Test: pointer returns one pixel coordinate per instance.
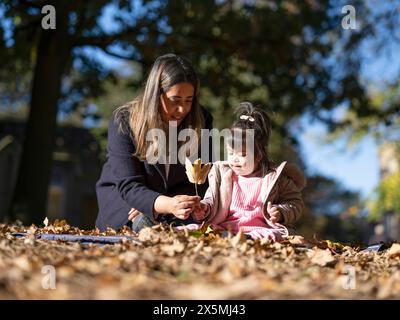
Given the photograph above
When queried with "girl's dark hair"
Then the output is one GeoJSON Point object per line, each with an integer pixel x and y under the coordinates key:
{"type": "Point", "coordinates": [250, 117]}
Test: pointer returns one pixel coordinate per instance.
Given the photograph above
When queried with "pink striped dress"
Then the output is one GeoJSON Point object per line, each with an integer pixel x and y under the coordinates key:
{"type": "Point", "coordinates": [246, 209]}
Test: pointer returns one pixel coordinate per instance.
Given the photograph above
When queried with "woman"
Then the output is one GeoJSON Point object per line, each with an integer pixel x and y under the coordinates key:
{"type": "Point", "coordinates": [132, 190]}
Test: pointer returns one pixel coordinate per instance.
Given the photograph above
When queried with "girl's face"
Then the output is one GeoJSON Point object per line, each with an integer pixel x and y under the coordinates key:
{"type": "Point", "coordinates": [176, 103]}
{"type": "Point", "coordinates": [240, 162]}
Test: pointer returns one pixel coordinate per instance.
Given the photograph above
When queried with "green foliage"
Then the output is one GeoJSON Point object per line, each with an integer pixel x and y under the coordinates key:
{"type": "Point", "coordinates": [382, 124]}
{"type": "Point", "coordinates": [203, 231]}
{"type": "Point", "coordinates": [272, 53]}
{"type": "Point", "coordinates": [388, 196]}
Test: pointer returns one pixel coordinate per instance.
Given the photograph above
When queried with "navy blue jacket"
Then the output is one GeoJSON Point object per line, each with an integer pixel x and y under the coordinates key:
{"type": "Point", "coordinates": [126, 182]}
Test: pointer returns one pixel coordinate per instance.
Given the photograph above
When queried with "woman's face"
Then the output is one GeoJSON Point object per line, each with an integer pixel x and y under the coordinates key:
{"type": "Point", "coordinates": [176, 103]}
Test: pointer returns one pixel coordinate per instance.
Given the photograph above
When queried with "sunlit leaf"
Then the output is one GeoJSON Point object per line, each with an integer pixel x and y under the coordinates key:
{"type": "Point", "coordinates": [197, 172]}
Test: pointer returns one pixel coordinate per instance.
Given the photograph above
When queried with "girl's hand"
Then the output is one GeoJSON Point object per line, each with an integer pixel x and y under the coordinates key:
{"type": "Point", "coordinates": [275, 215]}
{"type": "Point", "coordinates": [181, 206]}
{"type": "Point", "coordinates": [133, 214]}
{"type": "Point", "coordinates": [199, 212]}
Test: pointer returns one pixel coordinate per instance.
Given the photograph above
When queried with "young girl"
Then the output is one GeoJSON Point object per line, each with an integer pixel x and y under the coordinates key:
{"type": "Point", "coordinates": [247, 192]}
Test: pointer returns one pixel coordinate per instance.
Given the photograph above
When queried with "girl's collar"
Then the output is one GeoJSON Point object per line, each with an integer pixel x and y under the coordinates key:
{"type": "Point", "coordinates": [255, 174]}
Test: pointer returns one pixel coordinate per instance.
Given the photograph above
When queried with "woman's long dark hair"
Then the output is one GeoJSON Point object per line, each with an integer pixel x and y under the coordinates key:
{"type": "Point", "coordinates": [144, 111]}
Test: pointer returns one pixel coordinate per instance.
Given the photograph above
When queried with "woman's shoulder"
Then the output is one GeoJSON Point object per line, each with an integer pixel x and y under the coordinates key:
{"type": "Point", "coordinates": [120, 118]}
{"type": "Point", "coordinates": [118, 127]}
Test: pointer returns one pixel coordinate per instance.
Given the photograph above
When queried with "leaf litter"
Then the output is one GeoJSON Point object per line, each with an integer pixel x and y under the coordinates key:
{"type": "Point", "coordinates": [168, 264]}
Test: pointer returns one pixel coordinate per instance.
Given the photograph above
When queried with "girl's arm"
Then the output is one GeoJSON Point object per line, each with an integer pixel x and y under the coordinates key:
{"type": "Point", "coordinates": [202, 212]}
{"type": "Point", "coordinates": [290, 202]}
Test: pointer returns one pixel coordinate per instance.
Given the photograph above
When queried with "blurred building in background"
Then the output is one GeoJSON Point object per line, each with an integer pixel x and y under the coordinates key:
{"type": "Point", "coordinates": [389, 159]}
{"type": "Point", "coordinates": [76, 168]}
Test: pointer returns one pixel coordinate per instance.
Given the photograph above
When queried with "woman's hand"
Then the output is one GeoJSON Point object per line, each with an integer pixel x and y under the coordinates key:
{"type": "Point", "coordinates": [275, 215]}
{"type": "Point", "coordinates": [133, 214]}
{"type": "Point", "coordinates": [181, 206]}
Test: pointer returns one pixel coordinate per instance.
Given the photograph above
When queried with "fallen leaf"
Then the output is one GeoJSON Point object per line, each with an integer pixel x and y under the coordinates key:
{"type": "Point", "coordinates": [334, 245]}
{"type": "Point", "coordinates": [321, 257]}
{"type": "Point", "coordinates": [148, 236]}
{"type": "Point", "coordinates": [173, 265]}
{"type": "Point", "coordinates": [394, 250]}
{"type": "Point", "coordinates": [199, 246]}
{"type": "Point", "coordinates": [237, 239]}
{"type": "Point", "coordinates": [176, 247]}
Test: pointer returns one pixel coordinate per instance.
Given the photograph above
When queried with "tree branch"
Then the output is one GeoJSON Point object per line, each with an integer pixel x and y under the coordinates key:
{"type": "Point", "coordinates": [120, 56]}
{"type": "Point", "coordinates": [105, 40]}
{"type": "Point", "coordinates": [34, 4]}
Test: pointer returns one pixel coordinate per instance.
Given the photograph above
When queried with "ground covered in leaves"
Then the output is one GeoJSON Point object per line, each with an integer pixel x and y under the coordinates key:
{"type": "Point", "coordinates": [163, 264]}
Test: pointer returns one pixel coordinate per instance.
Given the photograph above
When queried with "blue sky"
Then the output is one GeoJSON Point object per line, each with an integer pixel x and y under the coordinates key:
{"type": "Point", "coordinates": [357, 168]}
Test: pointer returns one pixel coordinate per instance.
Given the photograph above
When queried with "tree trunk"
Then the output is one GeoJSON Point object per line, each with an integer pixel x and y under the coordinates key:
{"type": "Point", "coordinates": [30, 194]}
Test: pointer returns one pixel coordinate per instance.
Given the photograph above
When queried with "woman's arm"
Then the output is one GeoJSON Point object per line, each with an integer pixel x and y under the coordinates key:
{"type": "Point", "coordinates": [127, 171]}
{"type": "Point", "coordinates": [127, 174]}
{"type": "Point", "coordinates": [131, 181]}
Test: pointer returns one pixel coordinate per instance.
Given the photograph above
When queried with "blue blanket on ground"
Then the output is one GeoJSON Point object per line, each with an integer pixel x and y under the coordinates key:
{"type": "Point", "coordinates": [84, 239]}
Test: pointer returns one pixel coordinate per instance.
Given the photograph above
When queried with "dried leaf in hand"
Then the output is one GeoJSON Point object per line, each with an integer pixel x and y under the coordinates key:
{"type": "Point", "coordinates": [196, 172]}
